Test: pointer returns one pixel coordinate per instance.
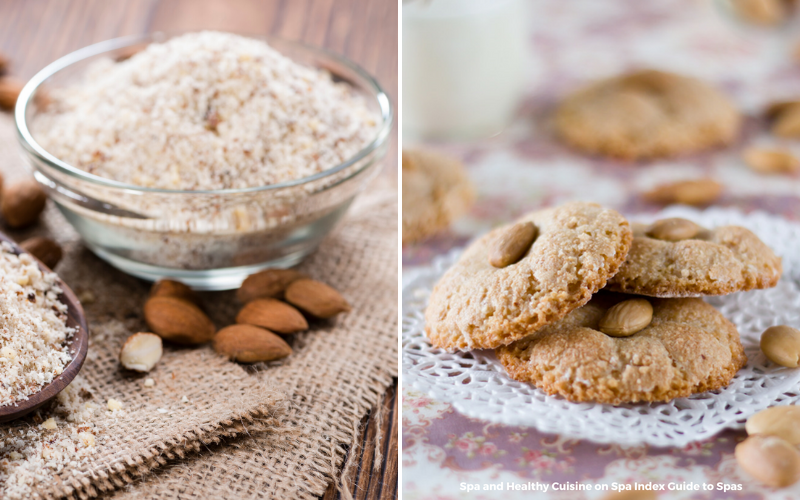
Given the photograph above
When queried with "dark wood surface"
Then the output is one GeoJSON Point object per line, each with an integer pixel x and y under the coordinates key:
{"type": "Point", "coordinates": [33, 33]}
{"type": "Point", "coordinates": [78, 346]}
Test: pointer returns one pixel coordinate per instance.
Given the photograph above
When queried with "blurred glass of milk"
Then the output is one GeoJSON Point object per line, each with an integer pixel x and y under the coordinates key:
{"type": "Point", "coordinates": [463, 66]}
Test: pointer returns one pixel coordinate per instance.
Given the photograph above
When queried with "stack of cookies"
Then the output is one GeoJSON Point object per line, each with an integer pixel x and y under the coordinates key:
{"type": "Point", "coordinates": [581, 304]}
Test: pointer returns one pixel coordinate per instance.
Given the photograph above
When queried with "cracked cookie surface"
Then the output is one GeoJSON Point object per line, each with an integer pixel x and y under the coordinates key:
{"type": "Point", "coordinates": [725, 260]}
{"type": "Point", "coordinates": [475, 305]}
{"type": "Point", "coordinates": [436, 190]}
{"type": "Point", "coordinates": [689, 347]}
{"type": "Point", "coordinates": [647, 114]}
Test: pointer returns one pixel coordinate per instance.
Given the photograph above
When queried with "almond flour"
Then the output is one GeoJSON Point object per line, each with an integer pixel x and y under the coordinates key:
{"type": "Point", "coordinates": [204, 111]}
{"type": "Point", "coordinates": [209, 111]}
{"type": "Point", "coordinates": [33, 329]}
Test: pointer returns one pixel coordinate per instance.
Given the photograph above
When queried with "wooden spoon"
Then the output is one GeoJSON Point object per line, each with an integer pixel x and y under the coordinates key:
{"type": "Point", "coordinates": [78, 344]}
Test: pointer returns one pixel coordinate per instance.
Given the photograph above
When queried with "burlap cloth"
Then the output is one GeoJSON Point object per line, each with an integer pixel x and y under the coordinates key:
{"type": "Point", "coordinates": [278, 430]}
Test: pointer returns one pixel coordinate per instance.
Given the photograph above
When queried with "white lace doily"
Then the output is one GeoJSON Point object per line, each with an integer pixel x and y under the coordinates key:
{"type": "Point", "coordinates": [477, 386]}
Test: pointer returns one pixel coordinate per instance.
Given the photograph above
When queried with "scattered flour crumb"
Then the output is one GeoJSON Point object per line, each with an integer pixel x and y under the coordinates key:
{"type": "Point", "coordinates": [114, 404]}
{"type": "Point", "coordinates": [184, 399]}
{"type": "Point", "coordinates": [32, 455]}
{"type": "Point", "coordinates": [149, 382]}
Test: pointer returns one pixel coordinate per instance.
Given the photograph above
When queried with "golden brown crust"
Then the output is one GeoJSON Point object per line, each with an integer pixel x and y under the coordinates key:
{"type": "Point", "coordinates": [475, 305]}
{"type": "Point", "coordinates": [689, 347]}
{"type": "Point", "coordinates": [728, 259]}
{"type": "Point", "coordinates": [436, 190]}
{"type": "Point", "coordinates": [647, 114]}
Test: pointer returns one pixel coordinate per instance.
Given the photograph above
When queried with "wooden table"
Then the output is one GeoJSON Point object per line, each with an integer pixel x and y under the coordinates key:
{"type": "Point", "coordinates": [33, 33]}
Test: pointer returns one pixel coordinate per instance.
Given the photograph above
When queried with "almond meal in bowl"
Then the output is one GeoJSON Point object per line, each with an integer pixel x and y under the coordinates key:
{"type": "Point", "coordinates": [205, 156]}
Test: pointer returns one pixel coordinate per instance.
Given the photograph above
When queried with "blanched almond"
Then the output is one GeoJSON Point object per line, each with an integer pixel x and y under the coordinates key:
{"type": "Point", "coordinates": [250, 344]}
{"type": "Point", "coordinates": [178, 320]}
{"type": "Point", "coordinates": [141, 352]}
{"type": "Point", "coordinates": [781, 345]}
{"type": "Point", "coordinates": [273, 315]}
{"type": "Point", "coordinates": [770, 459]}
{"type": "Point", "coordinates": [780, 421]}
{"type": "Point", "coordinates": [316, 298]}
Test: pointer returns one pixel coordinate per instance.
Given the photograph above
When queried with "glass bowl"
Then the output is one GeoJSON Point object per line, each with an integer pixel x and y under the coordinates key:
{"type": "Point", "coordinates": [210, 240]}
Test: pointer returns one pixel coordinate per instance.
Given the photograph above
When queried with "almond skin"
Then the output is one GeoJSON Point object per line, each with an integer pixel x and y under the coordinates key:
{"type": "Point", "coordinates": [250, 344]}
{"type": "Point", "coordinates": [178, 320]}
{"type": "Point", "coordinates": [512, 244]}
{"type": "Point", "coordinates": [9, 91]}
{"type": "Point", "coordinates": [316, 298]}
{"type": "Point", "coordinates": [626, 318]}
{"type": "Point", "coordinates": [22, 202]}
{"type": "Point", "coordinates": [273, 315]}
{"type": "Point", "coordinates": [269, 283]}
{"type": "Point", "coordinates": [46, 250]}
{"type": "Point", "coordinates": [172, 288]}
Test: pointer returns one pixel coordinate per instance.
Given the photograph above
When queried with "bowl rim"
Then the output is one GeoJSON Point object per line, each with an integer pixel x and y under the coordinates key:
{"type": "Point", "coordinates": [30, 145]}
{"type": "Point", "coordinates": [78, 347]}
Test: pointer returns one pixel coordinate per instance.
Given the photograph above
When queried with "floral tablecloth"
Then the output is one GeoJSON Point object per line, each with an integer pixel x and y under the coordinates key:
{"type": "Point", "coordinates": [446, 454]}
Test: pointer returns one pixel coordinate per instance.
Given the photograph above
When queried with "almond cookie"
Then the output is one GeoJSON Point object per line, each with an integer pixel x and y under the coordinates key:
{"type": "Point", "coordinates": [688, 347]}
{"type": "Point", "coordinates": [436, 190]}
{"type": "Point", "coordinates": [666, 262]}
{"type": "Point", "coordinates": [647, 114]}
{"type": "Point", "coordinates": [571, 252]}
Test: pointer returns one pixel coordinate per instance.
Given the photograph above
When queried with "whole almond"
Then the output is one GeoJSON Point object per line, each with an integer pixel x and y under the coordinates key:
{"type": "Point", "coordinates": [269, 283]}
{"type": "Point", "coordinates": [787, 123]}
{"type": "Point", "coordinates": [273, 315]}
{"type": "Point", "coordinates": [250, 344]}
{"type": "Point", "coordinates": [761, 12]}
{"type": "Point", "coordinates": [771, 161]}
{"type": "Point", "coordinates": [626, 318]}
{"type": "Point", "coordinates": [178, 320]}
{"type": "Point", "coordinates": [316, 298]}
{"type": "Point", "coordinates": [172, 288]}
{"type": "Point", "coordinates": [777, 108]}
{"type": "Point", "coordinates": [141, 352]}
{"type": "Point", "coordinates": [781, 345]}
{"type": "Point", "coordinates": [9, 91]}
{"type": "Point", "coordinates": [4, 63]}
{"type": "Point", "coordinates": [771, 460]}
{"type": "Point", "coordinates": [48, 251]}
{"type": "Point", "coordinates": [693, 192]}
{"type": "Point", "coordinates": [22, 202]}
{"type": "Point", "coordinates": [512, 244]}
{"type": "Point", "coordinates": [673, 229]}
{"type": "Point", "coordinates": [781, 421]}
